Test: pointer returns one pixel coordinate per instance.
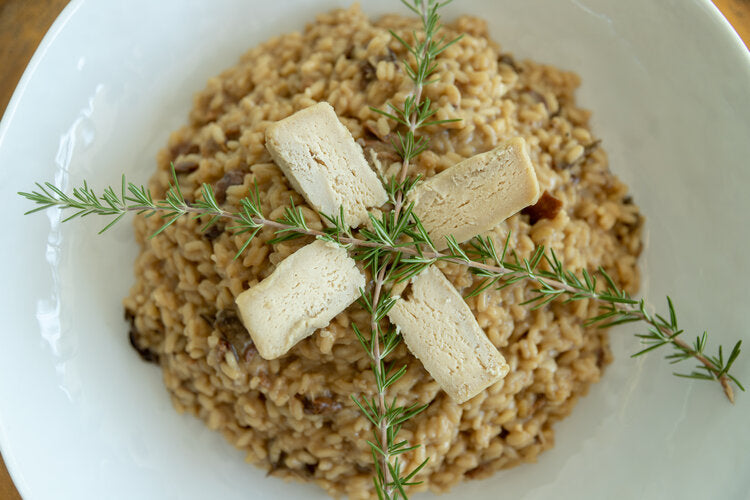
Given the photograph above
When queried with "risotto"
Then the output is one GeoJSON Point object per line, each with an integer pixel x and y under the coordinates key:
{"type": "Point", "coordinates": [293, 416]}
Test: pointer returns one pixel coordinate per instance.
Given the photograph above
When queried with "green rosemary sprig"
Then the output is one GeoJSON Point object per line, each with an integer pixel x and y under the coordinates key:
{"type": "Point", "coordinates": [482, 259]}
{"type": "Point", "coordinates": [389, 231]}
{"type": "Point", "coordinates": [616, 305]}
{"type": "Point", "coordinates": [133, 198]}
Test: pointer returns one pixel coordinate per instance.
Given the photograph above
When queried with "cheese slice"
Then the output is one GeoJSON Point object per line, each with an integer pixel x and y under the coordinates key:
{"type": "Point", "coordinates": [476, 194]}
{"type": "Point", "coordinates": [441, 331]}
{"type": "Point", "coordinates": [318, 155]}
{"type": "Point", "coordinates": [303, 294]}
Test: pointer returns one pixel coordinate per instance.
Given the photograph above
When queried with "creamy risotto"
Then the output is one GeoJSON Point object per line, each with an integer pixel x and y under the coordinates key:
{"type": "Point", "coordinates": [293, 416]}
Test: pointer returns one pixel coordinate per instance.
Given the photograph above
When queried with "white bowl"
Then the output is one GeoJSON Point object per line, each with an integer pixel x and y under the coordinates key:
{"type": "Point", "coordinates": [82, 417]}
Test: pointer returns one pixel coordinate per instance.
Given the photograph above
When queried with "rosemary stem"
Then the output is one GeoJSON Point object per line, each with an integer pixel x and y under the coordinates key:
{"type": "Point", "coordinates": [378, 366]}
{"type": "Point", "coordinates": [379, 281]}
{"type": "Point", "coordinates": [418, 86]}
{"type": "Point", "coordinates": [628, 308]}
{"type": "Point", "coordinates": [497, 269]}
{"type": "Point", "coordinates": [722, 379]}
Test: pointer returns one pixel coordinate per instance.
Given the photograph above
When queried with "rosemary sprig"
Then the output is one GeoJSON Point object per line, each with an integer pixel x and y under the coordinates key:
{"type": "Point", "coordinates": [483, 260]}
{"type": "Point", "coordinates": [389, 231]}
{"type": "Point", "coordinates": [616, 306]}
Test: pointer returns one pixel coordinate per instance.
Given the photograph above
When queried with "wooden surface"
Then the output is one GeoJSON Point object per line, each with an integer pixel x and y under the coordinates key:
{"type": "Point", "coordinates": [737, 12]}
{"type": "Point", "coordinates": [23, 23]}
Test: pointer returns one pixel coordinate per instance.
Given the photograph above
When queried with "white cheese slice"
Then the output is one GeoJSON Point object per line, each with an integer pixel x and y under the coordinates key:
{"type": "Point", "coordinates": [476, 194]}
{"type": "Point", "coordinates": [303, 294]}
{"type": "Point", "coordinates": [318, 155]}
{"type": "Point", "coordinates": [441, 331]}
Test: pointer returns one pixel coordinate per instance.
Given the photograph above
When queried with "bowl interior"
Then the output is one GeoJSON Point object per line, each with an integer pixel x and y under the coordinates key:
{"type": "Point", "coordinates": [82, 416]}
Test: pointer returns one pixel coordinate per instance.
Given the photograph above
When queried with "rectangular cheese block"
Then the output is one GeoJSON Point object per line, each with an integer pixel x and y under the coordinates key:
{"type": "Point", "coordinates": [441, 331]}
{"type": "Point", "coordinates": [318, 155]}
{"type": "Point", "coordinates": [303, 294]}
{"type": "Point", "coordinates": [476, 194]}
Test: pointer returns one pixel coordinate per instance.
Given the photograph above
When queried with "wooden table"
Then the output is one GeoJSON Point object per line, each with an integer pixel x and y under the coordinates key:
{"type": "Point", "coordinates": [23, 23]}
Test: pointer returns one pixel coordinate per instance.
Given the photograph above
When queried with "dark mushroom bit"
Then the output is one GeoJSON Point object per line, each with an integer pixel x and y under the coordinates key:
{"type": "Point", "coordinates": [145, 353]}
{"type": "Point", "coordinates": [546, 208]}
{"type": "Point", "coordinates": [369, 67]}
{"type": "Point", "coordinates": [183, 148]}
{"type": "Point", "coordinates": [186, 166]}
{"type": "Point", "coordinates": [233, 133]}
{"type": "Point", "coordinates": [214, 231]}
{"type": "Point", "coordinates": [587, 150]}
{"type": "Point", "coordinates": [381, 145]}
{"type": "Point", "coordinates": [234, 334]}
{"type": "Point", "coordinates": [232, 178]}
{"type": "Point", "coordinates": [368, 71]}
{"type": "Point", "coordinates": [321, 405]}
{"type": "Point", "coordinates": [507, 59]}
